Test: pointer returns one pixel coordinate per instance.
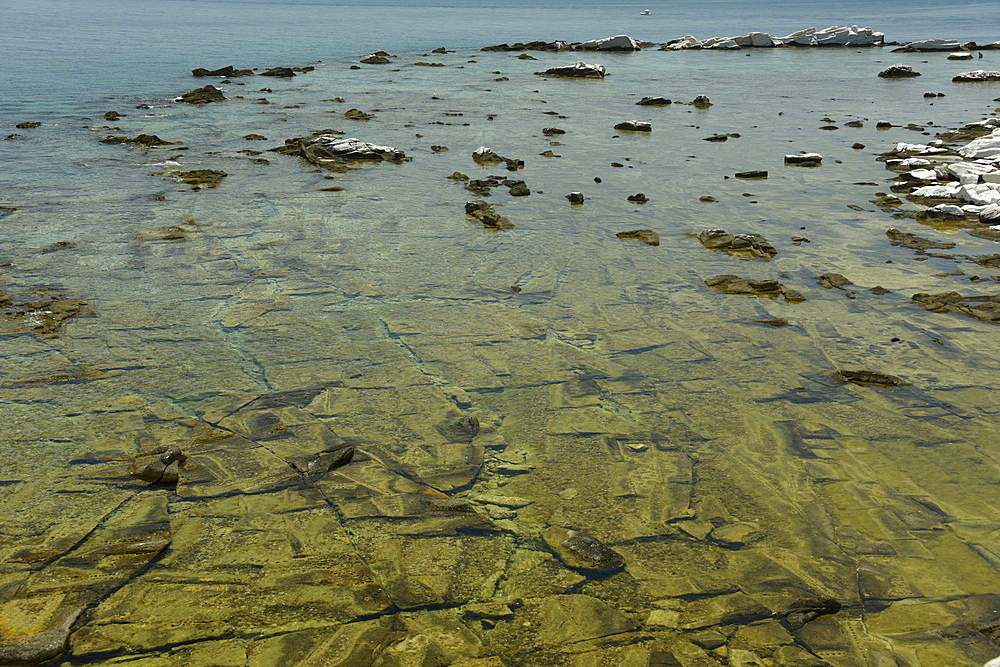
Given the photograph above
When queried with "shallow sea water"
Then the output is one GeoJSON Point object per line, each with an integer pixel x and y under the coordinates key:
{"type": "Point", "coordinates": [615, 393]}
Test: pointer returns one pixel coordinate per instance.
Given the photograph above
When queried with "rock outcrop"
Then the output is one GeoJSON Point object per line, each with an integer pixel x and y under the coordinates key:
{"type": "Point", "coordinates": [228, 71]}
{"type": "Point", "coordinates": [334, 152]}
{"type": "Point", "coordinates": [647, 236]}
{"type": "Point", "coordinates": [616, 43]}
{"type": "Point", "coordinates": [634, 126]}
{"type": "Point", "coordinates": [929, 45]}
{"type": "Point", "coordinates": [832, 36]}
{"type": "Point", "coordinates": [577, 70]}
{"type": "Point", "coordinates": [977, 76]}
{"type": "Point", "coordinates": [582, 551]}
{"type": "Point", "coordinates": [772, 289]}
{"type": "Point", "coordinates": [752, 245]}
{"type": "Point", "coordinates": [203, 95]}
{"type": "Point", "coordinates": [898, 71]}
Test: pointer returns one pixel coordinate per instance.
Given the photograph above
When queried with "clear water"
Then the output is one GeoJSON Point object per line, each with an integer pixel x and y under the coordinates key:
{"type": "Point", "coordinates": [616, 393]}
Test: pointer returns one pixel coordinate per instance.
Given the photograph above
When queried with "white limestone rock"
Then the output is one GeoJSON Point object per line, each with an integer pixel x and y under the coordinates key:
{"type": "Point", "coordinates": [982, 194]}
{"type": "Point", "coordinates": [962, 55]}
{"type": "Point", "coordinates": [977, 76]}
{"type": "Point", "coordinates": [577, 70]}
{"type": "Point", "coordinates": [931, 45]}
{"type": "Point", "coordinates": [948, 209]}
{"type": "Point", "coordinates": [924, 174]}
{"type": "Point", "coordinates": [761, 40]}
{"type": "Point", "coordinates": [685, 42]}
{"type": "Point", "coordinates": [949, 190]}
{"type": "Point", "coordinates": [987, 147]}
{"type": "Point", "coordinates": [616, 43]}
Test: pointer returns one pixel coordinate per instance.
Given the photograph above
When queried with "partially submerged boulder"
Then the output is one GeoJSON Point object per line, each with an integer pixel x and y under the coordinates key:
{"type": "Point", "coordinates": [334, 152]}
{"type": "Point", "coordinates": [634, 126]}
{"type": "Point", "coordinates": [227, 71]}
{"type": "Point", "coordinates": [654, 102]}
{"type": "Point", "coordinates": [486, 155]}
{"type": "Point", "coordinates": [898, 71]}
{"type": "Point", "coordinates": [771, 289]}
{"type": "Point", "coordinates": [804, 159]}
{"type": "Point", "coordinates": [914, 242]}
{"type": "Point", "coordinates": [147, 140]}
{"type": "Point", "coordinates": [332, 457]}
{"type": "Point", "coordinates": [977, 76]}
{"type": "Point", "coordinates": [753, 245]}
{"type": "Point", "coordinates": [484, 213]}
{"type": "Point", "coordinates": [577, 70]}
{"type": "Point", "coordinates": [616, 43]}
{"type": "Point", "coordinates": [927, 45]}
{"type": "Point", "coordinates": [204, 95]}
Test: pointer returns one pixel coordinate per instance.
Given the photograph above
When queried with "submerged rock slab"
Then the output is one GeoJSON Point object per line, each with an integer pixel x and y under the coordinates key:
{"type": "Point", "coordinates": [647, 236]}
{"type": "Point", "coordinates": [868, 377]}
{"type": "Point", "coordinates": [929, 45]}
{"type": "Point", "coordinates": [772, 289]}
{"type": "Point", "coordinates": [578, 70]}
{"type": "Point", "coordinates": [985, 308]}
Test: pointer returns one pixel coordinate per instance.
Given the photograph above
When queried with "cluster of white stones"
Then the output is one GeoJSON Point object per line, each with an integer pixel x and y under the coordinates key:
{"type": "Point", "coordinates": [832, 36]}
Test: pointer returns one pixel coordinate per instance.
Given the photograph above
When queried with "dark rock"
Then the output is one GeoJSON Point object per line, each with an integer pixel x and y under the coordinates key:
{"type": "Point", "coordinates": [914, 242]}
{"type": "Point", "coordinates": [804, 610]}
{"type": "Point", "coordinates": [752, 244]}
{"type": "Point", "coordinates": [160, 465]}
{"type": "Point", "coordinates": [575, 197]}
{"type": "Point", "coordinates": [481, 186]}
{"type": "Point", "coordinates": [255, 137]}
{"type": "Point", "coordinates": [483, 211]}
{"type": "Point", "coordinates": [203, 95]}
{"type": "Point", "coordinates": [751, 175]}
{"type": "Point", "coordinates": [581, 551]}
{"type": "Point", "coordinates": [985, 308]}
{"type": "Point", "coordinates": [280, 72]}
{"type": "Point", "coordinates": [879, 290]}
{"type": "Point", "coordinates": [833, 280]}
{"type": "Point", "coordinates": [772, 289]}
{"type": "Point", "coordinates": [634, 126]}
{"type": "Point", "coordinates": [441, 49]}
{"type": "Point", "coordinates": [654, 102]}
{"type": "Point", "coordinates": [898, 71]}
{"type": "Point", "coordinates": [988, 261]}
{"type": "Point", "coordinates": [578, 70]}
{"type": "Point", "coordinates": [201, 178]}
{"type": "Point", "coordinates": [317, 465]}
{"type": "Point", "coordinates": [525, 56]}
{"type": "Point", "coordinates": [702, 102]}
{"type": "Point", "coordinates": [375, 60]}
{"type": "Point", "coordinates": [549, 131]}
{"type": "Point", "coordinates": [854, 123]}
{"type": "Point", "coordinates": [638, 198]}
{"type": "Point", "coordinates": [774, 322]}
{"type": "Point", "coordinates": [357, 114]}
{"type": "Point", "coordinates": [458, 176]}
{"type": "Point", "coordinates": [45, 317]}
{"type": "Point", "coordinates": [28, 125]}
{"type": "Point", "coordinates": [112, 115]}
{"type": "Point", "coordinates": [517, 188]}
{"type": "Point", "coordinates": [227, 71]}
{"type": "Point", "coordinates": [857, 146]}
{"type": "Point", "coordinates": [647, 236]}
{"type": "Point", "coordinates": [867, 377]}
{"type": "Point", "coordinates": [147, 140]}
{"type": "Point", "coordinates": [437, 148]}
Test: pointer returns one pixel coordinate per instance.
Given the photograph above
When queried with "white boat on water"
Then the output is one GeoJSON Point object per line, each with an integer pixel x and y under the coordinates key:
{"type": "Point", "coordinates": [645, 12]}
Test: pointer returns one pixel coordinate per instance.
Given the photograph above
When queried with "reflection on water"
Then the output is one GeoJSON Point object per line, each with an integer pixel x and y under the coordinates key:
{"type": "Point", "coordinates": [495, 384]}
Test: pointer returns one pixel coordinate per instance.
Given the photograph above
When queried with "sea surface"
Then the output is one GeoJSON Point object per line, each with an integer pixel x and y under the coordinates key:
{"type": "Point", "coordinates": [498, 386]}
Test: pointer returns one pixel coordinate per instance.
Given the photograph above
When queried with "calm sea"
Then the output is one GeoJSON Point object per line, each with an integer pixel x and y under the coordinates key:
{"type": "Point", "coordinates": [57, 53]}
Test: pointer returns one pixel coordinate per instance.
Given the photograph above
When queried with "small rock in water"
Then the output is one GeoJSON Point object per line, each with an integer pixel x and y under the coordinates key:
{"type": "Point", "coordinates": [634, 126]}
{"type": "Point", "coordinates": [203, 95]}
{"type": "Point", "coordinates": [804, 610]}
{"type": "Point", "coordinates": [575, 197]}
{"type": "Point", "coordinates": [654, 101]}
{"type": "Point", "coordinates": [752, 175]}
{"type": "Point", "coordinates": [549, 131]}
{"type": "Point", "coordinates": [898, 71]}
{"type": "Point", "coordinates": [804, 159]}
{"type": "Point", "coordinates": [319, 464]}
{"type": "Point", "coordinates": [833, 280]}
{"type": "Point", "coordinates": [647, 236]}
{"type": "Point", "coordinates": [581, 551]}
{"type": "Point", "coordinates": [867, 377]}
{"type": "Point", "coordinates": [160, 465]}
{"type": "Point", "coordinates": [752, 244]}
{"type": "Point", "coordinates": [638, 198]}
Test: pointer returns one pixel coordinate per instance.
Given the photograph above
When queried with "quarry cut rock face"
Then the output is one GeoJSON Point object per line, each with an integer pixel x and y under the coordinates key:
{"type": "Point", "coordinates": [474, 377]}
